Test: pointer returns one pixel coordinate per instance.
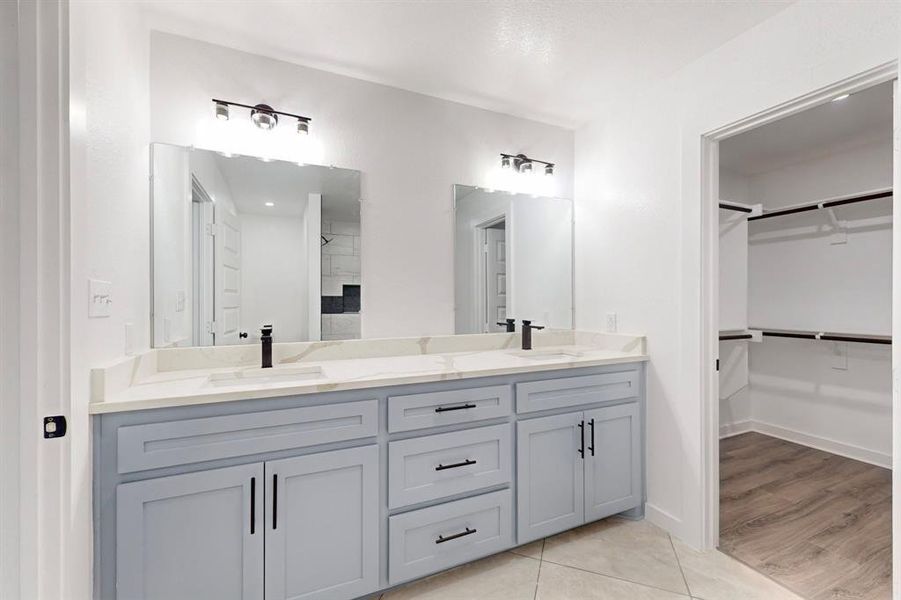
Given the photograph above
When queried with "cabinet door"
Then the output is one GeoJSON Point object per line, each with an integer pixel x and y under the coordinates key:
{"type": "Point", "coordinates": [191, 536]}
{"type": "Point", "coordinates": [322, 529]}
{"type": "Point", "coordinates": [550, 491]}
{"type": "Point", "coordinates": [612, 460]}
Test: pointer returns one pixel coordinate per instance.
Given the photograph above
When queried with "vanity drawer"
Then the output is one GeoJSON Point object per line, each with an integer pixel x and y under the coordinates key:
{"type": "Point", "coordinates": [574, 391]}
{"type": "Point", "coordinates": [156, 445]}
{"type": "Point", "coordinates": [437, 466]}
{"type": "Point", "coordinates": [435, 538]}
{"type": "Point", "coordinates": [418, 411]}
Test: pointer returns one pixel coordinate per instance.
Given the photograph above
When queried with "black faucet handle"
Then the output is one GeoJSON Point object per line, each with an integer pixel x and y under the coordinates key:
{"type": "Point", "coordinates": [526, 324]}
{"type": "Point", "coordinates": [266, 330]}
{"type": "Point", "coordinates": [510, 324]}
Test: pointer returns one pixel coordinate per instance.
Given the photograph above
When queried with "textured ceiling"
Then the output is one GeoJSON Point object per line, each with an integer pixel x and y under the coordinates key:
{"type": "Point", "coordinates": [862, 118]}
{"type": "Point", "coordinates": [550, 60]}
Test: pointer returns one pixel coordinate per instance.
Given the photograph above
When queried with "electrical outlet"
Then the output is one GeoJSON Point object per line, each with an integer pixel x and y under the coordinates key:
{"type": "Point", "coordinates": [611, 322]}
{"type": "Point", "coordinates": [100, 299]}
{"type": "Point", "coordinates": [840, 356]}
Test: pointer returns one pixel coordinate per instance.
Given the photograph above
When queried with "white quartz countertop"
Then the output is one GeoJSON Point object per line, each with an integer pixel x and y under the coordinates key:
{"type": "Point", "coordinates": [188, 376]}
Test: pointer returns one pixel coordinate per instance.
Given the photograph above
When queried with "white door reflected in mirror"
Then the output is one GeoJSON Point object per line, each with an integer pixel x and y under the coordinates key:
{"type": "Point", "coordinates": [513, 256]}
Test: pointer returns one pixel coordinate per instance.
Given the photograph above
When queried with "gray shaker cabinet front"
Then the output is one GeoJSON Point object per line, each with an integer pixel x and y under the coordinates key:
{"type": "Point", "coordinates": [612, 460]}
{"type": "Point", "coordinates": [192, 536]}
{"type": "Point", "coordinates": [549, 476]}
{"type": "Point", "coordinates": [322, 525]}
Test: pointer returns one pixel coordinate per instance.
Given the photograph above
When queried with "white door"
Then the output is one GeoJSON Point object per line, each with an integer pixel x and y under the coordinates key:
{"type": "Point", "coordinates": [313, 229]}
{"type": "Point", "coordinates": [495, 278]}
{"type": "Point", "coordinates": [228, 277]}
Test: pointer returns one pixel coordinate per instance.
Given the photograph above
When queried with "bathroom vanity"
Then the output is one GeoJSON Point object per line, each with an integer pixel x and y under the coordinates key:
{"type": "Point", "coordinates": [356, 466]}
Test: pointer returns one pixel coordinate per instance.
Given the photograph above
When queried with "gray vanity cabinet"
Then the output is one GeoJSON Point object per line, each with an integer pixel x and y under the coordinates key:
{"type": "Point", "coordinates": [612, 460]}
{"type": "Point", "coordinates": [322, 525]}
{"type": "Point", "coordinates": [577, 467]}
{"type": "Point", "coordinates": [198, 535]}
{"type": "Point", "coordinates": [549, 475]}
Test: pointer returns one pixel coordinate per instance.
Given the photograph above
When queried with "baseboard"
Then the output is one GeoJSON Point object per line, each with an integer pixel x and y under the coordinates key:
{"type": "Point", "coordinates": [805, 439]}
{"type": "Point", "coordinates": [737, 428]}
{"type": "Point", "coordinates": [820, 443]}
{"type": "Point", "coordinates": [663, 519]}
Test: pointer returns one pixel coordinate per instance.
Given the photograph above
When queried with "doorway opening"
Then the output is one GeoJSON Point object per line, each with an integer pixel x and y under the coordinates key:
{"type": "Point", "coordinates": [799, 206]}
{"type": "Point", "coordinates": [492, 274]}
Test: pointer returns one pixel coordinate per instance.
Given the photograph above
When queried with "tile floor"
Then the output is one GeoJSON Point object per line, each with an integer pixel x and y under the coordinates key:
{"type": "Point", "coordinates": [613, 559]}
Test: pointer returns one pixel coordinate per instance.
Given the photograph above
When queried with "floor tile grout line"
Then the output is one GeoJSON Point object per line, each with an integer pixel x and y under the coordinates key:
{"type": "Point", "coordinates": [679, 562]}
{"type": "Point", "coordinates": [653, 587]}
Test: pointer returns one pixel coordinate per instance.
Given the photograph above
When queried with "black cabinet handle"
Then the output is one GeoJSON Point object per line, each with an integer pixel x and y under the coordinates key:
{"type": "Point", "coordinates": [441, 539]}
{"type": "Point", "coordinates": [591, 447]}
{"type": "Point", "coordinates": [582, 439]}
{"type": "Point", "coordinates": [465, 463]}
{"type": "Point", "coordinates": [442, 409]}
{"type": "Point", "coordinates": [243, 335]}
{"type": "Point", "coordinates": [275, 501]}
{"type": "Point", "coordinates": [253, 505]}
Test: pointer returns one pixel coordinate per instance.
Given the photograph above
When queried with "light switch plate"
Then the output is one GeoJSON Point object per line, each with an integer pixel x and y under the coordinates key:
{"type": "Point", "coordinates": [100, 299]}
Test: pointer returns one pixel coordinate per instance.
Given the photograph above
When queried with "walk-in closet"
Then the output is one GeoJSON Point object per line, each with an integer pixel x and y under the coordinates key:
{"type": "Point", "coordinates": [805, 295]}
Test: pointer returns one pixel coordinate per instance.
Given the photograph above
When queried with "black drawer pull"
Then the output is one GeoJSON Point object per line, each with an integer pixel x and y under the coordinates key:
{"type": "Point", "coordinates": [582, 439]}
{"type": "Point", "coordinates": [442, 409]}
{"type": "Point", "coordinates": [592, 437]}
{"type": "Point", "coordinates": [253, 505]}
{"type": "Point", "coordinates": [441, 539]}
{"type": "Point", "coordinates": [465, 463]}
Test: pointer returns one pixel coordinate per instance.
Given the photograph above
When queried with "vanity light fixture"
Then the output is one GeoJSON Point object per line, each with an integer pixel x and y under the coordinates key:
{"type": "Point", "coordinates": [524, 164]}
{"type": "Point", "coordinates": [263, 116]}
{"type": "Point", "coordinates": [222, 111]}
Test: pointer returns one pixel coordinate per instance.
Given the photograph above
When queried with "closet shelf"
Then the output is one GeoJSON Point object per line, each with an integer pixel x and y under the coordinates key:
{"type": "Point", "coordinates": [830, 203]}
{"type": "Point", "coordinates": [807, 335]}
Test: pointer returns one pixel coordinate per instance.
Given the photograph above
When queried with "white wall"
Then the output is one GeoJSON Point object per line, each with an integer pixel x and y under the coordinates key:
{"type": "Point", "coordinates": [735, 404]}
{"type": "Point", "coordinates": [110, 224]}
{"type": "Point", "coordinates": [638, 191]}
{"type": "Point", "coordinates": [410, 148]}
{"type": "Point", "coordinates": [801, 276]}
{"type": "Point", "coordinates": [172, 247]}
{"type": "Point", "coordinates": [274, 276]}
{"type": "Point", "coordinates": [836, 396]}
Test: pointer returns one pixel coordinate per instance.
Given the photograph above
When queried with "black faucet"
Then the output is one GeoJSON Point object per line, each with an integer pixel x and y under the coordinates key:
{"type": "Point", "coordinates": [510, 325]}
{"type": "Point", "coordinates": [266, 338]}
{"type": "Point", "coordinates": [527, 328]}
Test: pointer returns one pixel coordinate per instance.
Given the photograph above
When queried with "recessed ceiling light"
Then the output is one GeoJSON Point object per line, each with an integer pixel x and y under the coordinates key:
{"type": "Point", "coordinates": [270, 203]}
{"type": "Point", "coordinates": [839, 98]}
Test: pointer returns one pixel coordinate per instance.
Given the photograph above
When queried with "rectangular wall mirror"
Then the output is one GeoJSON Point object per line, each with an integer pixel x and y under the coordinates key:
{"type": "Point", "coordinates": [513, 260]}
{"type": "Point", "coordinates": [240, 242]}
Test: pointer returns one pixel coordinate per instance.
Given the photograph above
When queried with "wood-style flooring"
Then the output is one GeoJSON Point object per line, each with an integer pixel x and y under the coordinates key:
{"type": "Point", "coordinates": [817, 523]}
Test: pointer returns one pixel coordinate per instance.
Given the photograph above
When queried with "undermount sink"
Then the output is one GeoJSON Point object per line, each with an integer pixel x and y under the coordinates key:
{"type": "Point", "coordinates": [547, 354]}
{"type": "Point", "coordinates": [257, 375]}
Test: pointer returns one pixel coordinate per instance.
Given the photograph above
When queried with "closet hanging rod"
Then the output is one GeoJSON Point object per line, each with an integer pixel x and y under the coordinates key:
{"type": "Point", "coordinates": [831, 337]}
{"type": "Point", "coordinates": [735, 336]}
{"type": "Point", "coordinates": [744, 209]}
{"type": "Point", "coordinates": [807, 335]}
{"type": "Point", "coordinates": [825, 204]}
